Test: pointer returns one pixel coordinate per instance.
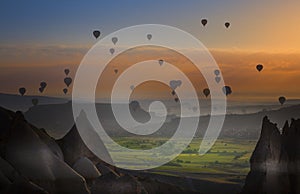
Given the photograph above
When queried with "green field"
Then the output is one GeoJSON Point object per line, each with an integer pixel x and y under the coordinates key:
{"type": "Point", "coordinates": [226, 161]}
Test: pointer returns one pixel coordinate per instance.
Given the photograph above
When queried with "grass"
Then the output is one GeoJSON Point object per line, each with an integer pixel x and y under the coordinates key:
{"type": "Point", "coordinates": [227, 160]}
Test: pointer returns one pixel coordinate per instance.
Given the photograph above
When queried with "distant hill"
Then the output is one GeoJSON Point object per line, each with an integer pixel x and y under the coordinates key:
{"type": "Point", "coordinates": [23, 103]}
{"type": "Point", "coordinates": [249, 125]}
{"type": "Point", "coordinates": [57, 119]}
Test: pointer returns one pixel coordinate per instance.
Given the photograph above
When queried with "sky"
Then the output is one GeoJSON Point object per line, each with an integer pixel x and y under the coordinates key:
{"type": "Point", "coordinates": [41, 38]}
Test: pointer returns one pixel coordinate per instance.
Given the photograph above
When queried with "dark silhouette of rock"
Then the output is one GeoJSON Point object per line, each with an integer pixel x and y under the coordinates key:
{"type": "Point", "coordinates": [248, 125]}
{"type": "Point", "coordinates": [291, 144]}
{"type": "Point", "coordinates": [106, 169]}
{"type": "Point", "coordinates": [86, 168]}
{"type": "Point", "coordinates": [33, 162]}
{"type": "Point", "coordinates": [275, 162]}
{"type": "Point", "coordinates": [74, 148]}
{"type": "Point", "coordinates": [110, 184]}
{"type": "Point", "coordinates": [24, 149]}
{"type": "Point", "coordinates": [23, 185]}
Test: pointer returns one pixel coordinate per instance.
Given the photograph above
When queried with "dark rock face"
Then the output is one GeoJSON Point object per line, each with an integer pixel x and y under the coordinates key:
{"type": "Point", "coordinates": [31, 161]}
{"type": "Point", "coordinates": [291, 142]}
{"type": "Point", "coordinates": [275, 162]}
{"type": "Point", "coordinates": [73, 147]}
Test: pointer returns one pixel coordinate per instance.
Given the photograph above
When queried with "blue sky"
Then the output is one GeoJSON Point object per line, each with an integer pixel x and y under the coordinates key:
{"type": "Point", "coordinates": [71, 22]}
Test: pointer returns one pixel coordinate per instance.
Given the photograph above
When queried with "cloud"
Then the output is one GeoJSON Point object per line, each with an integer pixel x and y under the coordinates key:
{"type": "Point", "coordinates": [30, 64]}
{"type": "Point", "coordinates": [37, 55]}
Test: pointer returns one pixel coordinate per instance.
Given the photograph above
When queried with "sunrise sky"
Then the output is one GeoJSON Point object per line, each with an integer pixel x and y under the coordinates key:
{"type": "Point", "coordinates": [39, 39]}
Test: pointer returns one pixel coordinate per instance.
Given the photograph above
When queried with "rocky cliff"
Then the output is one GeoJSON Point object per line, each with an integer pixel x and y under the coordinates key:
{"type": "Point", "coordinates": [275, 162]}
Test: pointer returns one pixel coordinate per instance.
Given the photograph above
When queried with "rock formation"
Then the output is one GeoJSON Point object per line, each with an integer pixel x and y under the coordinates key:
{"type": "Point", "coordinates": [275, 162]}
{"type": "Point", "coordinates": [26, 152]}
{"type": "Point", "coordinates": [33, 162]}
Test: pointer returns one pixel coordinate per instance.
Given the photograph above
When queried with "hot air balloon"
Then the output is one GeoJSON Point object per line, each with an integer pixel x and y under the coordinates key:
{"type": "Point", "coordinates": [67, 71]}
{"type": "Point", "coordinates": [132, 87]}
{"type": "Point", "coordinates": [149, 36]}
{"type": "Point", "coordinates": [134, 105]}
{"type": "Point", "coordinates": [34, 101]}
{"type": "Point", "coordinates": [41, 90]}
{"type": "Point", "coordinates": [282, 100]}
{"type": "Point", "coordinates": [173, 92]}
{"type": "Point", "coordinates": [116, 71]}
{"type": "Point", "coordinates": [227, 90]}
{"type": "Point", "coordinates": [175, 83]}
{"type": "Point", "coordinates": [43, 85]}
{"type": "Point", "coordinates": [161, 62]}
{"type": "Point", "coordinates": [206, 92]}
{"type": "Point", "coordinates": [176, 99]}
{"type": "Point", "coordinates": [114, 40]}
{"type": "Point", "coordinates": [259, 67]}
{"type": "Point", "coordinates": [217, 72]}
{"type": "Point", "coordinates": [227, 24]}
{"type": "Point", "coordinates": [65, 90]}
{"type": "Point", "coordinates": [96, 33]}
{"type": "Point", "coordinates": [112, 51]}
{"type": "Point", "coordinates": [22, 91]}
{"type": "Point", "coordinates": [218, 79]}
{"type": "Point", "coordinates": [68, 81]}
{"type": "Point", "coordinates": [204, 22]}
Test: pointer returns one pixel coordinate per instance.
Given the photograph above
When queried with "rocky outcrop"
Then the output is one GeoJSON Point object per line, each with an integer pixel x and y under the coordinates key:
{"type": "Point", "coordinates": [275, 162]}
{"type": "Point", "coordinates": [36, 157]}
{"type": "Point", "coordinates": [86, 168]}
{"type": "Point", "coordinates": [33, 162]}
{"type": "Point", "coordinates": [73, 147]}
{"type": "Point", "coordinates": [291, 144]}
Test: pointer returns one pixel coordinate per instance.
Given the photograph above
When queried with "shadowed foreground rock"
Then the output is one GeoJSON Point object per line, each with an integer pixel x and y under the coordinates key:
{"type": "Point", "coordinates": [36, 158]}
{"type": "Point", "coordinates": [275, 162]}
{"type": "Point", "coordinates": [33, 162]}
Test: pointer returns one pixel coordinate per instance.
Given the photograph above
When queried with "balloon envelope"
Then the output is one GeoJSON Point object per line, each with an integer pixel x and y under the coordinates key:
{"type": "Point", "coordinates": [43, 84]}
{"type": "Point", "coordinates": [67, 71]}
{"type": "Point", "coordinates": [134, 105]}
{"type": "Point", "coordinates": [227, 90]}
{"type": "Point", "coordinates": [161, 62]}
{"type": "Point", "coordinates": [65, 90]}
{"type": "Point", "coordinates": [111, 51]}
{"type": "Point", "coordinates": [259, 67]}
{"type": "Point", "coordinates": [175, 83]}
{"type": "Point", "coordinates": [173, 92]}
{"type": "Point", "coordinates": [116, 71]}
{"type": "Point", "coordinates": [217, 72]}
{"type": "Point", "coordinates": [204, 22]}
{"type": "Point", "coordinates": [218, 79]}
{"type": "Point", "coordinates": [227, 24]}
{"type": "Point", "coordinates": [68, 81]}
{"type": "Point", "coordinates": [176, 99]}
{"type": "Point", "coordinates": [149, 36]}
{"type": "Point", "coordinates": [96, 33]}
{"type": "Point", "coordinates": [206, 92]}
{"type": "Point", "coordinates": [282, 100]}
{"type": "Point", "coordinates": [22, 91]}
{"type": "Point", "coordinates": [41, 89]}
{"type": "Point", "coordinates": [114, 40]}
